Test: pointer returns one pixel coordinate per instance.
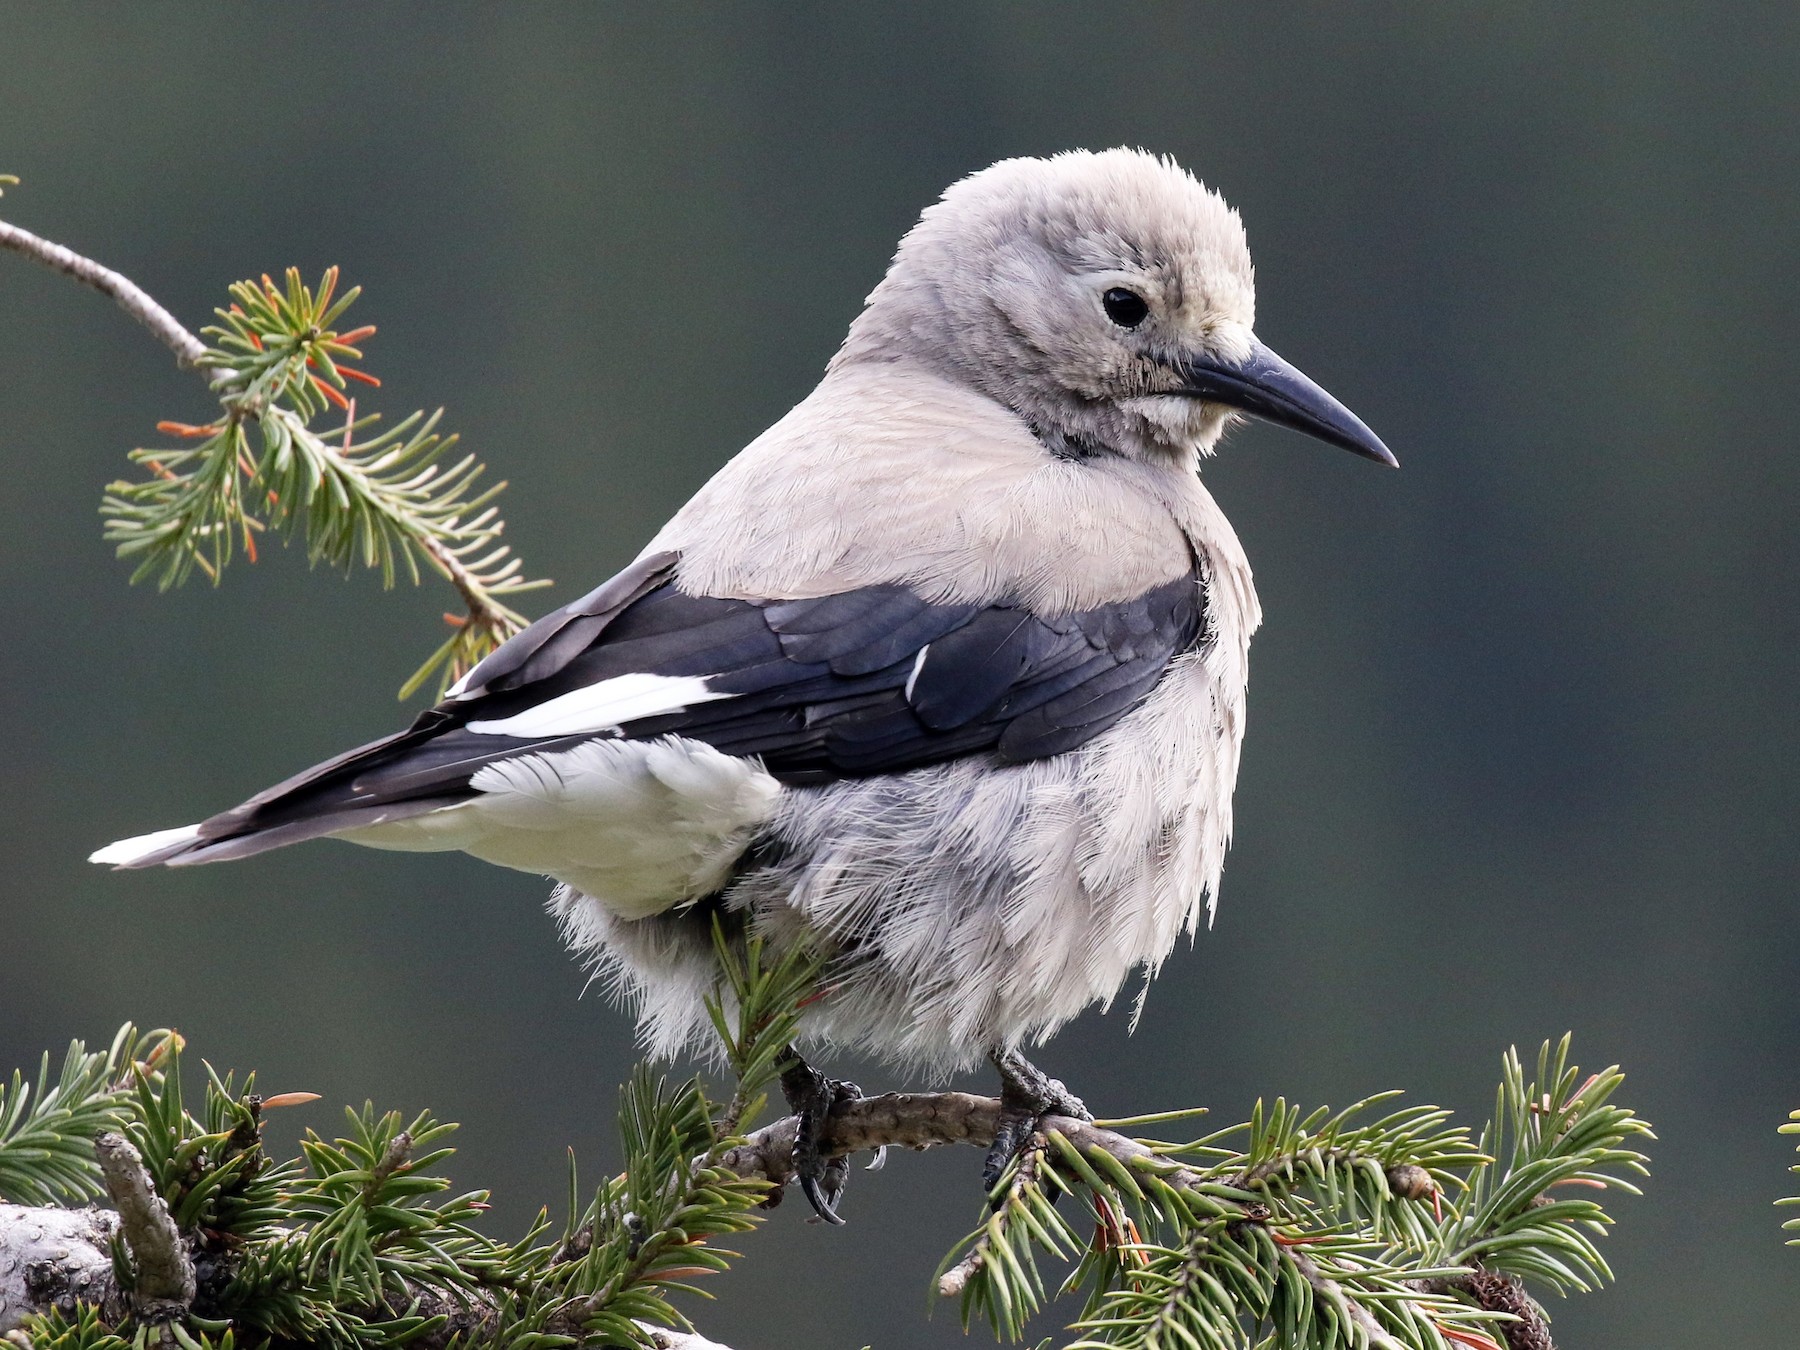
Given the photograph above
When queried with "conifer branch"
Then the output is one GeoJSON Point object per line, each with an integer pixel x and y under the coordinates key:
{"type": "Point", "coordinates": [278, 362]}
{"type": "Point", "coordinates": [46, 1128]}
{"type": "Point", "coordinates": [1299, 1230]}
{"type": "Point", "coordinates": [1391, 1176]}
{"type": "Point", "coordinates": [1333, 1294]}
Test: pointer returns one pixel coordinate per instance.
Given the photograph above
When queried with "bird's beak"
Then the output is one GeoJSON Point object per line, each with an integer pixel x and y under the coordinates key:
{"type": "Point", "coordinates": [1265, 386]}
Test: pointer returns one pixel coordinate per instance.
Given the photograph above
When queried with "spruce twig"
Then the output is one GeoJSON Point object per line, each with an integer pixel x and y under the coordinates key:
{"type": "Point", "coordinates": [1298, 1230]}
{"type": "Point", "coordinates": [47, 1129]}
{"type": "Point", "coordinates": [278, 362]}
{"type": "Point", "coordinates": [1325, 1288]}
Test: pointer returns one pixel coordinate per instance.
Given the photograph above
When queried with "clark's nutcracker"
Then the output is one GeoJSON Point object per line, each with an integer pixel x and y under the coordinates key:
{"type": "Point", "coordinates": [944, 673]}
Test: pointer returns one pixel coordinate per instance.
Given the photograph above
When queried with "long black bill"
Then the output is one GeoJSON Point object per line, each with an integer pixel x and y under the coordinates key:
{"type": "Point", "coordinates": [1266, 386]}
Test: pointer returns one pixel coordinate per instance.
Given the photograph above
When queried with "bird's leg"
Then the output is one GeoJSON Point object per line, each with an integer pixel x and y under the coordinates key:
{"type": "Point", "coordinates": [1027, 1095]}
{"type": "Point", "coordinates": [810, 1096]}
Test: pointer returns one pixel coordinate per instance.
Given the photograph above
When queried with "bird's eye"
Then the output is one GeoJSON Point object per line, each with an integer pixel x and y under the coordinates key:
{"type": "Point", "coordinates": [1125, 308]}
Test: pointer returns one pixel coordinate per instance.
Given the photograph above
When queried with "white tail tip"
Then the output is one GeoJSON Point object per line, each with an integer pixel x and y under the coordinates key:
{"type": "Point", "coordinates": [129, 851]}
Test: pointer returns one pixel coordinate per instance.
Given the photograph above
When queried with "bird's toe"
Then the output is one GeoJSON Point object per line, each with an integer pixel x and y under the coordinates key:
{"type": "Point", "coordinates": [810, 1096]}
{"type": "Point", "coordinates": [1027, 1095]}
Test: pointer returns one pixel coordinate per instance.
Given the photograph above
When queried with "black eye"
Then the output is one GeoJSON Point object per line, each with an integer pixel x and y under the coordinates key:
{"type": "Point", "coordinates": [1125, 308]}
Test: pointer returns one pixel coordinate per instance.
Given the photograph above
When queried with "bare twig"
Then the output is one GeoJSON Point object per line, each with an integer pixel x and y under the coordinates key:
{"type": "Point", "coordinates": [130, 296]}
{"type": "Point", "coordinates": [165, 1273]}
{"type": "Point", "coordinates": [921, 1120]}
{"type": "Point", "coordinates": [954, 1280]}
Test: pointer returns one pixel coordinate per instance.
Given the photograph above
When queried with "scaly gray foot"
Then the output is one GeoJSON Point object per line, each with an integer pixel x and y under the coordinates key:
{"type": "Point", "coordinates": [1027, 1095]}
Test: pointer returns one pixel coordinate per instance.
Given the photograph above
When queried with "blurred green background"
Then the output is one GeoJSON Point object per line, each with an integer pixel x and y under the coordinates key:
{"type": "Point", "coordinates": [1522, 740]}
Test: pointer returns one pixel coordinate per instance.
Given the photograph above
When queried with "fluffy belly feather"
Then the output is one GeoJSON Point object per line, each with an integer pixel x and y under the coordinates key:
{"type": "Point", "coordinates": [966, 905]}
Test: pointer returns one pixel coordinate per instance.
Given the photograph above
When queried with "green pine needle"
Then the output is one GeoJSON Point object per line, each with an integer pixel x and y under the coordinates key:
{"type": "Point", "coordinates": [1312, 1230]}
{"type": "Point", "coordinates": [1295, 1230]}
{"type": "Point", "coordinates": [47, 1129]}
{"type": "Point", "coordinates": [361, 1242]}
{"type": "Point", "coordinates": [756, 1009]}
{"type": "Point", "coordinates": [355, 1243]}
{"type": "Point", "coordinates": [398, 502]}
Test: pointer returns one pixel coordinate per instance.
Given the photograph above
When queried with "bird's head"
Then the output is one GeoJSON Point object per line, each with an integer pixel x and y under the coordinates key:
{"type": "Point", "coordinates": [1107, 298]}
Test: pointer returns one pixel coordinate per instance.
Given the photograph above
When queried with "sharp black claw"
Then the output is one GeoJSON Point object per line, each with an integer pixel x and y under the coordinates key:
{"type": "Point", "coordinates": [815, 1196]}
{"type": "Point", "coordinates": [810, 1096]}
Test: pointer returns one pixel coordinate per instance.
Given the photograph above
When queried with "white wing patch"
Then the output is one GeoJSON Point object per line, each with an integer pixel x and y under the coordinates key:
{"type": "Point", "coordinates": [603, 706]}
{"type": "Point", "coordinates": [639, 826]}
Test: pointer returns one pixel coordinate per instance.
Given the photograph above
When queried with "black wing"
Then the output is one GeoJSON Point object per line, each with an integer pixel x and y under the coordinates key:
{"type": "Point", "coordinates": [870, 681]}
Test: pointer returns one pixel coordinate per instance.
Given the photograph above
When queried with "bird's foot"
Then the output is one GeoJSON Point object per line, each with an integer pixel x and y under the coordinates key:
{"type": "Point", "coordinates": [810, 1096]}
{"type": "Point", "coordinates": [1027, 1095]}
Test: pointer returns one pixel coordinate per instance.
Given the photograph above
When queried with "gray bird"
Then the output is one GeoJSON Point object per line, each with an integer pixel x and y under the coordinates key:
{"type": "Point", "coordinates": [944, 673]}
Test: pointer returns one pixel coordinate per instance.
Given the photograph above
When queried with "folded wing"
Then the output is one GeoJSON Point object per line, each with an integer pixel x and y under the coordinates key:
{"type": "Point", "coordinates": [871, 681]}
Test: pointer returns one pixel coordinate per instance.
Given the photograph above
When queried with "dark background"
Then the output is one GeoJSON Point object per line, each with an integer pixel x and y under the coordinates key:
{"type": "Point", "coordinates": [1522, 748]}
